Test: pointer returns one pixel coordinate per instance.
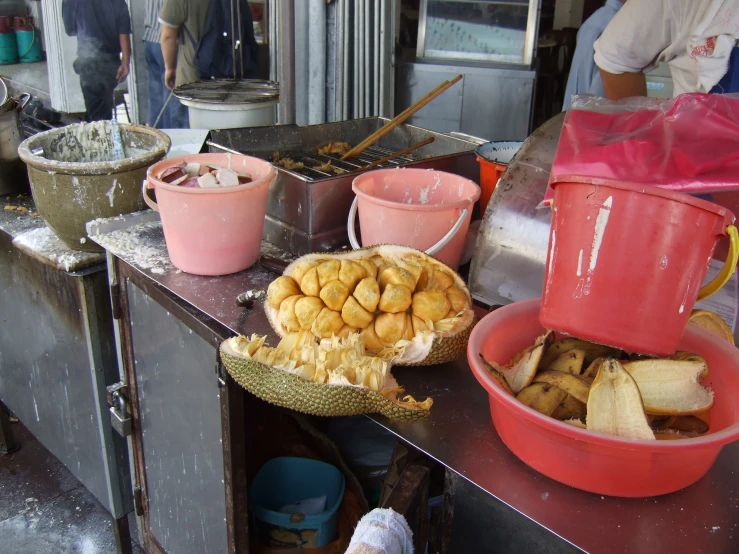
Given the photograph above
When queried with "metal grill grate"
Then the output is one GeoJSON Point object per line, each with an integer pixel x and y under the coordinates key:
{"type": "Point", "coordinates": [355, 165]}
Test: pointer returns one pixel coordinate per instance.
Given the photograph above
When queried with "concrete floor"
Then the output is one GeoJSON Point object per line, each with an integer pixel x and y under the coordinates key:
{"type": "Point", "coordinates": [45, 510]}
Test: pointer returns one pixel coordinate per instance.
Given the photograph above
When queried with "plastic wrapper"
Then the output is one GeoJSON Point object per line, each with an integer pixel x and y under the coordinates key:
{"type": "Point", "coordinates": [688, 144]}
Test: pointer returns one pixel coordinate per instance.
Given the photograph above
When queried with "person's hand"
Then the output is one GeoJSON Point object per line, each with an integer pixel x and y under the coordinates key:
{"type": "Point", "coordinates": [169, 78]}
{"type": "Point", "coordinates": [123, 70]}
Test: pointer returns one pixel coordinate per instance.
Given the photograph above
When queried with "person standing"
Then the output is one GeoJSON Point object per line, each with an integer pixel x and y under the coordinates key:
{"type": "Point", "coordinates": [174, 115]}
{"type": "Point", "coordinates": [177, 50]}
{"type": "Point", "coordinates": [103, 29]}
{"type": "Point", "coordinates": [584, 75]}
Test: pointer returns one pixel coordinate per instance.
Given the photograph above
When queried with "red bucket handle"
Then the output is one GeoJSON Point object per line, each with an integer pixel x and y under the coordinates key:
{"type": "Point", "coordinates": [431, 251]}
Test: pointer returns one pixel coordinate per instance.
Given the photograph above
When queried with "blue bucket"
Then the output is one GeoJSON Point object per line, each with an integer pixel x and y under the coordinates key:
{"type": "Point", "coordinates": [285, 481]}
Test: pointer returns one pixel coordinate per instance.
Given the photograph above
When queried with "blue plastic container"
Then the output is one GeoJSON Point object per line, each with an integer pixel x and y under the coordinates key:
{"type": "Point", "coordinates": [284, 481]}
{"type": "Point", "coordinates": [29, 46]}
{"type": "Point", "coordinates": [8, 48]}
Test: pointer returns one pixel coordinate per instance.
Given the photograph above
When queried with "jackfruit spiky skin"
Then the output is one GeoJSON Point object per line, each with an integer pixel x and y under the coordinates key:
{"type": "Point", "coordinates": [446, 347]}
{"type": "Point", "coordinates": [290, 391]}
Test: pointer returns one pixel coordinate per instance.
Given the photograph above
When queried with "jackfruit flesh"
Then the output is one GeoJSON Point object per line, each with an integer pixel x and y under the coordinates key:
{"type": "Point", "coordinates": [333, 361]}
{"type": "Point", "coordinates": [390, 295]}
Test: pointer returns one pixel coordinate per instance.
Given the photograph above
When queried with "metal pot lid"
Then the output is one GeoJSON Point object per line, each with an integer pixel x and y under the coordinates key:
{"type": "Point", "coordinates": [229, 91]}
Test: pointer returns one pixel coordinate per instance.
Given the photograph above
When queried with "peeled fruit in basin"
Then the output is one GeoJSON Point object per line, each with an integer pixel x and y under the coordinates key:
{"type": "Point", "coordinates": [394, 296]}
{"type": "Point", "coordinates": [331, 377]}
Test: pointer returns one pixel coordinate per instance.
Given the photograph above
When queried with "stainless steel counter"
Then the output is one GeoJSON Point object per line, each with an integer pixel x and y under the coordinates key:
{"type": "Point", "coordinates": [459, 434]}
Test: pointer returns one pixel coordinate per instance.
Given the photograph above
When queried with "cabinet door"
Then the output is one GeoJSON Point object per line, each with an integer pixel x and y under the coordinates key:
{"type": "Point", "coordinates": [178, 433]}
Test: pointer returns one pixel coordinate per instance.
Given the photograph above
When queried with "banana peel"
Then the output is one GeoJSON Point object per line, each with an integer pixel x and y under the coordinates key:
{"type": "Point", "coordinates": [684, 356]}
{"type": "Point", "coordinates": [689, 424]}
{"type": "Point", "coordinates": [592, 370]}
{"type": "Point", "coordinates": [570, 362]}
{"type": "Point", "coordinates": [671, 387]}
{"type": "Point", "coordinates": [498, 376]}
{"type": "Point", "coordinates": [712, 322]}
{"type": "Point", "coordinates": [521, 370]}
{"type": "Point", "coordinates": [574, 385]}
{"type": "Point", "coordinates": [541, 397]}
{"type": "Point", "coordinates": [592, 351]}
{"type": "Point", "coordinates": [570, 408]}
{"type": "Point", "coordinates": [615, 405]}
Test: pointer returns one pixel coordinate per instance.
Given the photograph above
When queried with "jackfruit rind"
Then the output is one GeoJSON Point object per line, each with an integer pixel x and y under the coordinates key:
{"type": "Point", "coordinates": [443, 342]}
{"type": "Point", "coordinates": [291, 391]}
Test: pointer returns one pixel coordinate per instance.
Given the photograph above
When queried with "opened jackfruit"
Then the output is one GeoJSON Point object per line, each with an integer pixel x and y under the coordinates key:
{"type": "Point", "coordinates": [332, 377]}
{"type": "Point", "coordinates": [392, 295]}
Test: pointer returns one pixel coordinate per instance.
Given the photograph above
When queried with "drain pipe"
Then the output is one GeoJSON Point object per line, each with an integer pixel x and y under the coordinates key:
{"type": "Point", "coordinates": [286, 60]}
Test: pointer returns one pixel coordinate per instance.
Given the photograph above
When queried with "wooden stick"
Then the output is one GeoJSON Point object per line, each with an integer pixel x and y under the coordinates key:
{"type": "Point", "coordinates": [400, 152]}
{"type": "Point", "coordinates": [390, 125]}
{"type": "Point", "coordinates": [369, 140]}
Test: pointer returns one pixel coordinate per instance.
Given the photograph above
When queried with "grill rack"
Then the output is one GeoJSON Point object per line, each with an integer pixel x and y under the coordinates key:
{"type": "Point", "coordinates": [354, 165]}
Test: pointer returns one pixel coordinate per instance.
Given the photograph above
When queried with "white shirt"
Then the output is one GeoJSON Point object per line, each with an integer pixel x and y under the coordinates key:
{"type": "Point", "coordinates": [694, 37]}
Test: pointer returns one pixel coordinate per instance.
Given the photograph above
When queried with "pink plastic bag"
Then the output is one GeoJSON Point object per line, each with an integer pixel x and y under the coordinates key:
{"type": "Point", "coordinates": [688, 144]}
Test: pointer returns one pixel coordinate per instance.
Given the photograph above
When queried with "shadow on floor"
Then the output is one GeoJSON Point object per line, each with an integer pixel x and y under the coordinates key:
{"type": "Point", "coordinates": [45, 510]}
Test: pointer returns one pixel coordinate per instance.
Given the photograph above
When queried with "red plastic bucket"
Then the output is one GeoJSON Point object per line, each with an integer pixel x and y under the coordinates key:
{"type": "Point", "coordinates": [626, 262]}
{"type": "Point", "coordinates": [421, 208]}
{"type": "Point", "coordinates": [595, 462]}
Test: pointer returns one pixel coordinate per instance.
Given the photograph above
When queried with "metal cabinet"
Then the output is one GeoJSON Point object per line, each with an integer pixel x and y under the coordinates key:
{"type": "Point", "coordinates": [190, 476]}
{"type": "Point", "coordinates": [57, 355]}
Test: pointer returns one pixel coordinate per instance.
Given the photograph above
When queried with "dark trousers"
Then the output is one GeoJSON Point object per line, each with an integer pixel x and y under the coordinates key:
{"type": "Point", "coordinates": [175, 116]}
{"type": "Point", "coordinates": [98, 81]}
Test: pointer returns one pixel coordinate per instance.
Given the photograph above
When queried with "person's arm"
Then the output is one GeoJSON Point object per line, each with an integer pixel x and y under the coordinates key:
{"type": "Point", "coordinates": [631, 44]}
{"type": "Point", "coordinates": [623, 85]}
{"type": "Point", "coordinates": [168, 43]}
{"type": "Point", "coordinates": [124, 68]}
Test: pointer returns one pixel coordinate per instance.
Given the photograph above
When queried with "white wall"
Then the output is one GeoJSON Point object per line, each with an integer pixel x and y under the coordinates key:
{"type": "Point", "coordinates": [567, 13]}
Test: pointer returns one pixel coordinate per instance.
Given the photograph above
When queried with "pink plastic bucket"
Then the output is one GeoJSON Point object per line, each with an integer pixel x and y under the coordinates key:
{"type": "Point", "coordinates": [213, 231]}
{"type": "Point", "coordinates": [421, 208]}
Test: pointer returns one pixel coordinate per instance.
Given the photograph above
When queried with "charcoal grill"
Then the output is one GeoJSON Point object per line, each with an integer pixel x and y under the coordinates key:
{"type": "Point", "coordinates": [308, 207]}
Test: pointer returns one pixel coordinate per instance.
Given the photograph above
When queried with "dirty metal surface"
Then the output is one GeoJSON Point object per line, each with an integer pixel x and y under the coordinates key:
{"type": "Point", "coordinates": [180, 428]}
{"type": "Point", "coordinates": [511, 251]}
{"type": "Point", "coordinates": [56, 356]}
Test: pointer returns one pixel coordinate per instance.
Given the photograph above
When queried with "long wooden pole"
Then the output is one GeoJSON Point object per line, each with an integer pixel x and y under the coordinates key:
{"type": "Point", "coordinates": [399, 153]}
{"type": "Point", "coordinates": [399, 119]}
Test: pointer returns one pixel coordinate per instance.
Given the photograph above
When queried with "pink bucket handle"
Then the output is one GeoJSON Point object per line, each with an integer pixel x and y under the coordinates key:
{"type": "Point", "coordinates": [431, 251]}
{"type": "Point", "coordinates": [149, 202]}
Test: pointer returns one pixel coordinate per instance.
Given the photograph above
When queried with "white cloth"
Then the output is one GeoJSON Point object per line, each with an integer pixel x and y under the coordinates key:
{"type": "Point", "coordinates": [694, 37]}
{"type": "Point", "coordinates": [383, 531]}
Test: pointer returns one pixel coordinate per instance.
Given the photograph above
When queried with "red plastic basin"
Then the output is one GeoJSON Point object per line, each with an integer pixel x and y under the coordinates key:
{"type": "Point", "coordinates": [591, 461]}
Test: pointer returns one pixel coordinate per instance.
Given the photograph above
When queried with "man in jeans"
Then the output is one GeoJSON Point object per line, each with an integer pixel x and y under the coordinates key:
{"type": "Point", "coordinates": [103, 29]}
{"type": "Point", "coordinates": [174, 115]}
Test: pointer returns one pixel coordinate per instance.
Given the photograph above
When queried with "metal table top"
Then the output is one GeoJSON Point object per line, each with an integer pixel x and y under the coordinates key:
{"type": "Point", "coordinates": [460, 435]}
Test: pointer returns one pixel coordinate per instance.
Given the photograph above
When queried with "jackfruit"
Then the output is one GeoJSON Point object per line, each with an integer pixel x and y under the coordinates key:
{"type": "Point", "coordinates": [392, 295]}
{"type": "Point", "coordinates": [331, 377]}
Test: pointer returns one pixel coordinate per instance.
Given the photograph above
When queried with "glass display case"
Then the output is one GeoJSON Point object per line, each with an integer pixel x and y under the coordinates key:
{"type": "Point", "coordinates": [488, 31]}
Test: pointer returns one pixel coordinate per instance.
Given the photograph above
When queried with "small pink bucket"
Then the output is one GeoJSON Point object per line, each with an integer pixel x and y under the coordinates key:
{"type": "Point", "coordinates": [214, 231]}
{"type": "Point", "coordinates": [421, 208]}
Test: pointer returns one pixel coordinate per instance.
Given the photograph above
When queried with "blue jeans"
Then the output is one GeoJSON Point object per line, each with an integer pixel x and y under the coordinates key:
{"type": "Point", "coordinates": [175, 116]}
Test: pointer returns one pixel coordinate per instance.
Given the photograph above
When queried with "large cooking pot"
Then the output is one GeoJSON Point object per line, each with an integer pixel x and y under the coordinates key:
{"type": "Point", "coordinates": [13, 177]}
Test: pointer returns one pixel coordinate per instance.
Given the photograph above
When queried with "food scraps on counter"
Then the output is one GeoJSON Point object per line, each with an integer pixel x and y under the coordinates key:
{"type": "Point", "coordinates": [196, 175]}
{"type": "Point", "coordinates": [394, 296]}
{"type": "Point", "coordinates": [601, 389]}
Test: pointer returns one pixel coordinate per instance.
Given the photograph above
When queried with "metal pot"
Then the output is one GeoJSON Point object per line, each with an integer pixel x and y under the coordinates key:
{"type": "Point", "coordinates": [13, 177]}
